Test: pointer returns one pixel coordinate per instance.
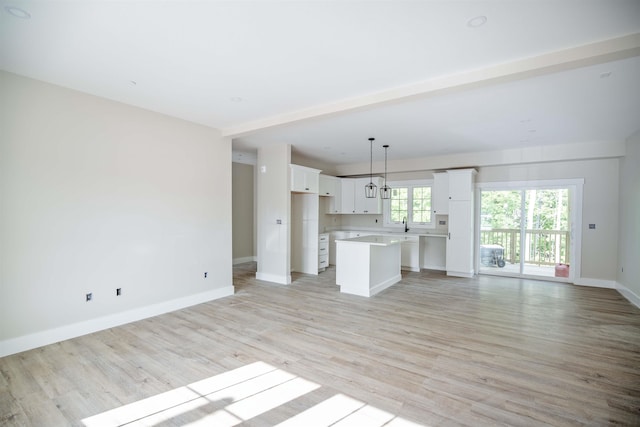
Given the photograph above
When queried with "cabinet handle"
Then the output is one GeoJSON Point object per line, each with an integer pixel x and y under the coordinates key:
{"type": "Point", "coordinates": [449, 236]}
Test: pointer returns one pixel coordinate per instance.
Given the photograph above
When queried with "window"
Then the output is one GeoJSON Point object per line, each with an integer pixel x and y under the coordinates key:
{"type": "Point", "coordinates": [410, 201]}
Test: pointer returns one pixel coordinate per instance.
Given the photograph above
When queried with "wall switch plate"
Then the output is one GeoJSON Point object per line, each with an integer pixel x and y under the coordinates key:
{"type": "Point", "coordinates": [278, 221]}
{"type": "Point", "coordinates": [592, 226]}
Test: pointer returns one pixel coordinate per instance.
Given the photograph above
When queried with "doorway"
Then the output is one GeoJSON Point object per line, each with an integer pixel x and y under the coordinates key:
{"type": "Point", "coordinates": [526, 230]}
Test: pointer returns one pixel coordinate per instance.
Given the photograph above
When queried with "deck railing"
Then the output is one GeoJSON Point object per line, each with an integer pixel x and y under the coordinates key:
{"type": "Point", "coordinates": [542, 247]}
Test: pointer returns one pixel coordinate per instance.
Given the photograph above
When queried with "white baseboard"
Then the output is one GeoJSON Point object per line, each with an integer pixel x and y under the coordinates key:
{"type": "Point", "coordinates": [242, 260]}
{"type": "Point", "coordinates": [275, 278]}
{"type": "Point", "coordinates": [596, 283]}
{"type": "Point", "coordinates": [50, 336]}
{"type": "Point", "coordinates": [460, 274]}
{"type": "Point", "coordinates": [384, 285]}
{"type": "Point", "coordinates": [628, 294]}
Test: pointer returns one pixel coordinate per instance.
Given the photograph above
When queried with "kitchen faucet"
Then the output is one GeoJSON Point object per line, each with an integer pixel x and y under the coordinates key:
{"type": "Point", "coordinates": [406, 224]}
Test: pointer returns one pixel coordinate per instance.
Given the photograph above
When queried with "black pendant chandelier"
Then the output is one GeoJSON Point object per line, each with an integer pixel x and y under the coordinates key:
{"type": "Point", "coordinates": [370, 189]}
{"type": "Point", "coordinates": [385, 191]}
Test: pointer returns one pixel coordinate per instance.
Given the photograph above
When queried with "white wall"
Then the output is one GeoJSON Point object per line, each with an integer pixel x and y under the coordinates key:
{"type": "Point", "coordinates": [97, 195]}
{"type": "Point", "coordinates": [600, 206]}
{"type": "Point", "coordinates": [628, 266]}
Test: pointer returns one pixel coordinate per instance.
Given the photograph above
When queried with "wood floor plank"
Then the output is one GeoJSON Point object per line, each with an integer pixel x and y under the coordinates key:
{"type": "Point", "coordinates": [431, 350]}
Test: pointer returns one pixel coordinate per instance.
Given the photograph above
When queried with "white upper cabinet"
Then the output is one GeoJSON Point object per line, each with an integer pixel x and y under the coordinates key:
{"type": "Point", "coordinates": [304, 179]}
{"type": "Point", "coordinates": [353, 196]}
{"type": "Point", "coordinates": [348, 195]}
{"type": "Point", "coordinates": [440, 194]}
{"type": "Point", "coordinates": [461, 184]}
{"type": "Point", "coordinates": [366, 205]}
{"type": "Point", "coordinates": [329, 185]}
{"type": "Point", "coordinates": [331, 188]}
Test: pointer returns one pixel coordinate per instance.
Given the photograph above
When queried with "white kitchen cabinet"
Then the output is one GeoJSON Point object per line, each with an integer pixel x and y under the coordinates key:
{"type": "Point", "coordinates": [304, 233]}
{"type": "Point", "coordinates": [440, 193]}
{"type": "Point", "coordinates": [461, 183]}
{"type": "Point", "coordinates": [331, 187]}
{"type": "Point", "coordinates": [353, 196]}
{"type": "Point", "coordinates": [304, 179]}
{"type": "Point", "coordinates": [460, 238]}
{"type": "Point", "coordinates": [323, 251]}
{"type": "Point", "coordinates": [332, 244]}
{"type": "Point", "coordinates": [410, 253]}
{"type": "Point", "coordinates": [348, 195]}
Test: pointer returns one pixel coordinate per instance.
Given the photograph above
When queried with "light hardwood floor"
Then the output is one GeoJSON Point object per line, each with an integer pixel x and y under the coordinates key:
{"type": "Point", "coordinates": [431, 350]}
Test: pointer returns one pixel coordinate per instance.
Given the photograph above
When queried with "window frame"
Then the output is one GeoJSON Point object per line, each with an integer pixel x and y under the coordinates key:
{"type": "Point", "coordinates": [386, 208]}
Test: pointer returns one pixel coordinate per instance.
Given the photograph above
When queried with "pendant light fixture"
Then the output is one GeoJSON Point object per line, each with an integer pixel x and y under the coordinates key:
{"type": "Point", "coordinates": [385, 191]}
{"type": "Point", "coordinates": [370, 189]}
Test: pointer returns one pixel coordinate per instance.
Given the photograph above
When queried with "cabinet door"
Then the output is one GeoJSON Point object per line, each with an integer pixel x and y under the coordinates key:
{"type": "Point", "coordinates": [328, 185]}
{"type": "Point", "coordinates": [348, 188]}
{"type": "Point", "coordinates": [409, 257]}
{"type": "Point", "coordinates": [363, 204]}
{"type": "Point", "coordinates": [440, 193]}
{"type": "Point", "coordinates": [461, 184]}
{"type": "Point", "coordinates": [298, 179]}
{"type": "Point", "coordinates": [460, 239]}
{"type": "Point", "coordinates": [304, 180]}
{"type": "Point", "coordinates": [312, 181]}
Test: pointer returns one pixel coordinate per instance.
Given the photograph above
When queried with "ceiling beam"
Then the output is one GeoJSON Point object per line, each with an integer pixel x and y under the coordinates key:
{"type": "Point", "coordinates": [553, 62]}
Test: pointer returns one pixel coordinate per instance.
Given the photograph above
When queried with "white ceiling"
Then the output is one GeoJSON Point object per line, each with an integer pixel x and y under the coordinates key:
{"type": "Point", "coordinates": [326, 75]}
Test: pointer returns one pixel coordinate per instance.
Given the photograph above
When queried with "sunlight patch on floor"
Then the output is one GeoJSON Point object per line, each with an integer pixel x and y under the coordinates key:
{"type": "Point", "coordinates": [239, 395]}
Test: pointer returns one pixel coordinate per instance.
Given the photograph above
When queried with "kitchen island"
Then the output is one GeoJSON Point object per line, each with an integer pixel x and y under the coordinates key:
{"type": "Point", "coordinates": [367, 265]}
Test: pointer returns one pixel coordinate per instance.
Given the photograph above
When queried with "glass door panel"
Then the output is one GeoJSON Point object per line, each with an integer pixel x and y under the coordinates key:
{"type": "Point", "coordinates": [546, 232]}
{"type": "Point", "coordinates": [500, 224]}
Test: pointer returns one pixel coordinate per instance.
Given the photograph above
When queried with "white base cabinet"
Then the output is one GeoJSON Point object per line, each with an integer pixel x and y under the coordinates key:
{"type": "Point", "coordinates": [323, 251]}
{"type": "Point", "coordinates": [410, 253]}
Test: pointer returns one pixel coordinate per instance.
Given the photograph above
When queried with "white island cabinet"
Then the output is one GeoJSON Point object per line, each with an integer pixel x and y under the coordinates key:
{"type": "Point", "coordinates": [367, 265]}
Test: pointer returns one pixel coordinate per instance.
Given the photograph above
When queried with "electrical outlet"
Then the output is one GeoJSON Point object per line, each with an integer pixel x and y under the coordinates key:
{"type": "Point", "coordinates": [89, 297]}
{"type": "Point", "coordinates": [205, 274]}
{"type": "Point", "coordinates": [592, 226]}
{"type": "Point", "coordinates": [118, 292]}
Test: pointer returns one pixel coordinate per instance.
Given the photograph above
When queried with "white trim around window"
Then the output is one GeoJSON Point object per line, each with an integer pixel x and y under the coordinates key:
{"type": "Point", "coordinates": [409, 185]}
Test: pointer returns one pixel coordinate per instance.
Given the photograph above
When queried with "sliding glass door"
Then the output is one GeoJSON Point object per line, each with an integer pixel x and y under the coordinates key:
{"type": "Point", "coordinates": [526, 231]}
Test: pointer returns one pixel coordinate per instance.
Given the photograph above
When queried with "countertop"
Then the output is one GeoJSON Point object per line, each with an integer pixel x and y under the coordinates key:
{"type": "Point", "coordinates": [376, 240]}
{"type": "Point", "coordinates": [392, 233]}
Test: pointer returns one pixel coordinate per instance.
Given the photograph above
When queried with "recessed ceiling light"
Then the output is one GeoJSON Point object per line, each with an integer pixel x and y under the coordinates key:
{"type": "Point", "coordinates": [605, 74]}
{"type": "Point", "coordinates": [236, 99]}
{"type": "Point", "coordinates": [476, 22]}
{"type": "Point", "coordinates": [17, 12]}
